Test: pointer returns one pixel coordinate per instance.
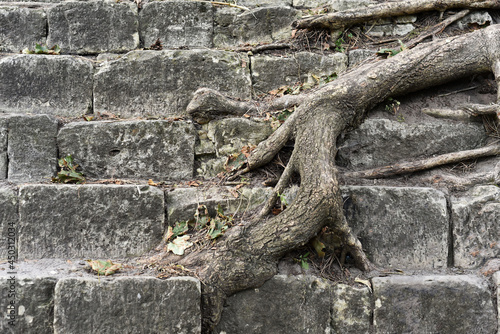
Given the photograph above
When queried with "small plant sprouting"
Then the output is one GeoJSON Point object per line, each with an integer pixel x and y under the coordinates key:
{"type": "Point", "coordinates": [302, 260]}
{"type": "Point", "coordinates": [338, 45]}
{"type": "Point", "coordinates": [43, 49]}
{"type": "Point", "coordinates": [283, 201]}
{"type": "Point", "coordinates": [68, 173]}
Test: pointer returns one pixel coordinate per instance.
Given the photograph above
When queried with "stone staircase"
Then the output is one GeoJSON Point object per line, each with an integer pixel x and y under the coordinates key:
{"type": "Point", "coordinates": [119, 110]}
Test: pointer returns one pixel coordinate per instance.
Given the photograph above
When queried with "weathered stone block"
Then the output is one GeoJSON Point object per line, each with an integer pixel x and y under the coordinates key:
{"type": "Point", "coordinates": [379, 142]}
{"type": "Point", "coordinates": [43, 84]}
{"type": "Point", "coordinates": [87, 27]}
{"type": "Point", "coordinates": [271, 72]}
{"type": "Point", "coordinates": [4, 161]}
{"type": "Point", "coordinates": [260, 25]}
{"type": "Point", "coordinates": [262, 3]}
{"type": "Point", "coordinates": [476, 228]}
{"type": "Point", "coordinates": [131, 149]}
{"type": "Point", "coordinates": [391, 30]}
{"type": "Point", "coordinates": [9, 222]}
{"type": "Point", "coordinates": [163, 82]}
{"type": "Point", "coordinates": [89, 221]}
{"type": "Point", "coordinates": [177, 23]}
{"type": "Point", "coordinates": [496, 281]}
{"type": "Point", "coordinates": [357, 56]}
{"type": "Point", "coordinates": [33, 304]}
{"type": "Point", "coordinates": [32, 149]}
{"type": "Point", "coordinates": [284, 304]}
{"type": "Point", "coordinates": [231, 134]}
{"type": "Point", "coordinates": [182, 203]}
{"type": "Point", "coordinates": [127, 305]}
{"type": "Point", "coordinates": [433, 304]}
{"type": "Point", "coordinates": [21, 28]}
{"type": "Point", "coordinates": [351, 310]}
{"type": "Point", "coordinates": [399, 227]}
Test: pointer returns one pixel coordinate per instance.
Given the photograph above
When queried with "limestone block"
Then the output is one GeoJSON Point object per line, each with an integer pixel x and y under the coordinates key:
{"type": "Point", "coordinates": [340, 5]}
{"type": "Point", "coordinates": [158, 150]}
{"type": "Point", "coordinates": [43, 84]}
{"type": "Point", "coordinates": [284, 304]}
{"type": "Point", "coordinates": [399, 227]}
{"type": "Point", "coordinates": [231, 134]}
{"type": "Point", "coordinates": [9, 222]}
{"type": "Point", "coordinates": [33, 304]}
{"type": "Point", "coordinates": [496, 281]}
{"type": "Point", "coordinates": [182, 203]}
{"type": "Point", "coordinates": [380, 142]}
{"type": "Point", "coordinates": [162, 83]}
{"type": "Point", "coordinates": [127, 305]}
{"type": "Point", "coordinates": [259, 25]}
{"type": "Point", "coordinates": [32, 149]}
{"type": "Point", "coordinates": [21, 28]}
{"type": "Point", "coordinates": [433, 304]}
{"type": "Point", "coordinates": [4, 161]}
{"type": "Point", "coordinates": [476, 18]}
{"type": "Point", "coordinates": [357, 56]}
{"type": "Point", "coordinates": [177, 23]}
{"type": "Point", "coordinates": [391, 30]}
{"type": "Point", "coordinates": [271, 72]}
{"type": "Point", "coordinates": [476, 228]}
{"type": "Point", "coordinates": [351, 310]}
{"type": "Point", "coordinates": [89, 221]}
{"type": "Point", "coordinates": [89, 27]}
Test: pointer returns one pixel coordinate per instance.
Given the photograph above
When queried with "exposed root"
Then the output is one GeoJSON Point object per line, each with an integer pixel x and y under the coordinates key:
{"type": "Point", "coordinates": [463, 182]}
{"type": "Point", "coordinates": [278, 189]}
{"type": "Point", "coordinates": [339, 20]}
{"type": "Point", "coordinates": [415, 166]}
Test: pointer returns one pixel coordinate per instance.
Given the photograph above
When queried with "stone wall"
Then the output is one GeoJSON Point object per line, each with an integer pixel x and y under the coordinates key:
{"type": "Point", "coordinates": [119, 110]}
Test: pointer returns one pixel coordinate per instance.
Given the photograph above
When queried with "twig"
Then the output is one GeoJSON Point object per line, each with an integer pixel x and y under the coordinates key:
{"type": "Point", "coordinates": [437, 28]}
{"type": "Point", "coordinates": [222, 4]}
{"type": "Point", "coordinates": [415, 166]}
{"type": "Point", "coordinates": [458, 91]}
{"type": "Point", "coordinates": [265, 47]}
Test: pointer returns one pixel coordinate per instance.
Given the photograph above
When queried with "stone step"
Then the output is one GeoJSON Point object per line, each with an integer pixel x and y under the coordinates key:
{"type": "Point", "coordinates": [399, 227]}
{"type": "Point", "coordinates": [92, 27]}
{"type": "Point", "coordinates": [61, 297]}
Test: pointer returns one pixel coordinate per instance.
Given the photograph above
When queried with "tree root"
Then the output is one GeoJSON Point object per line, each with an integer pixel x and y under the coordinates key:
{"type": "Point", "coordinates": [339, 20]}
{"type": "Point", "coordinates": [420, 165]}
{"type": "Point", "coordinates": [465, 112]}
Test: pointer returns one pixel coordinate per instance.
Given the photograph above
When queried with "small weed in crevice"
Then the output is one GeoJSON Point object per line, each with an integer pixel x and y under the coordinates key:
{"type": "Point", "coordinates": [43, 49]}
{"type": "Point", "coordinates": [68, 173]}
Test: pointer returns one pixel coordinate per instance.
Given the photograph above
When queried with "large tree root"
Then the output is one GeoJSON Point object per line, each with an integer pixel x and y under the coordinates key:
{"type": "Point", "coordinates": [247, 255]}
{"type": "Point", "coordinates": [339, 20]}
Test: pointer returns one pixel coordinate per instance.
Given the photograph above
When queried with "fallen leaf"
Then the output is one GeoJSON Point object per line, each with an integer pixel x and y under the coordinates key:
{"type": "Point", "coordinates": [234, 193]}
{"type": "Point", "coordinates": [319, 247]}
{"type": "Point", "coordinates": [169, 234]}
{"type": "Point", "coordinates": [364, 282]}
{"type": "Point", "coordinates": [105, 268]}
{"type": "Point", "coordinates": [179, 245]}
{"type": "Point", "coordinates": [193, 184]}
{"type": "Point", "coordinates": [151, 183]}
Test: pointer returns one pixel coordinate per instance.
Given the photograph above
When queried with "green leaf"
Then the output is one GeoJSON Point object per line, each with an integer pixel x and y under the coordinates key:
{"type": "Point", "coordinates": [217, 228]}
{"type": "Point", "coordinates": [180, 228]}
{"type": "Point", "coordinates": [201, 217]}
{"type": "Point", "coordinates": [235, 161]}
{"type": "Point", "coordinates": [304, 264]}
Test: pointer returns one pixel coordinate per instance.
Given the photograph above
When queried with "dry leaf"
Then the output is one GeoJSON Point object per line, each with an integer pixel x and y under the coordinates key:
{"type": "Point", "coordinates": [364, 282]}
{"type": "Point", "coordinates": [193, 184]}
{"type": "Point", "coordinates": [234, 193]}
{"type": "Point", "coordinates": [169, 234]}
{"type": "Point", "coordinates": [151, 183]}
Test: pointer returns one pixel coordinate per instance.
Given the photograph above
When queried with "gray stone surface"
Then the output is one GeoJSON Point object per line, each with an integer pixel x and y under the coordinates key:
{"type": "Point", "coordinates": [231, 134]}
{"type": "Point", "coordinates": [33, 304]}
{"type": "Point", "coordinates": [158, 150]}
{"type": "Point", "coordinates": [32, 149]}
{"type": "Point", "coordinates": [476, 18]}
{"type": "Point", "coordinates": [260, 25]}
{"type": "Point", "coordinates": [271, 72]}
{"type": "Point", "coordinates": [399, 227]}
{"type": "Point", "coordinates": [379, 142]}
{"type": "Point", "coordinates": [21, 28]}
{"type": "Point", "coordinates": [88, 27]}
{"type": "Point", "coordinates": [476, 226]}
{"type": "Point", "coordinates": [177, 23]}
{"type": "Point", "coordinates": [496, 281]}
{"type": "Point", "coordinates": [145, 83]}
{"type": "Point", "coordinates": [433, 304]}
{"type": "Point", "coordinates": [351, 310]}
{"type": "Point", "coordinates": [43, 84]}
{"type": "Point", "coordinates": [127, 305]}
{"type": "Point", "coordinates": [264, 3]}
{"type": "Point", "coordinates": [181, 203]}
{"type": "Point", "coordinates": [357, 56]}
{"type": "Point", "coordinates": [89, 221]}
{"type": "Point", "coordinates": [4, 161]}
{"type": "Point", "coordinates": [391, 30]}
{"type": "Point", "coordinates": [9, 222]}
{"type": "Point", "coordinates": [284, 304]}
